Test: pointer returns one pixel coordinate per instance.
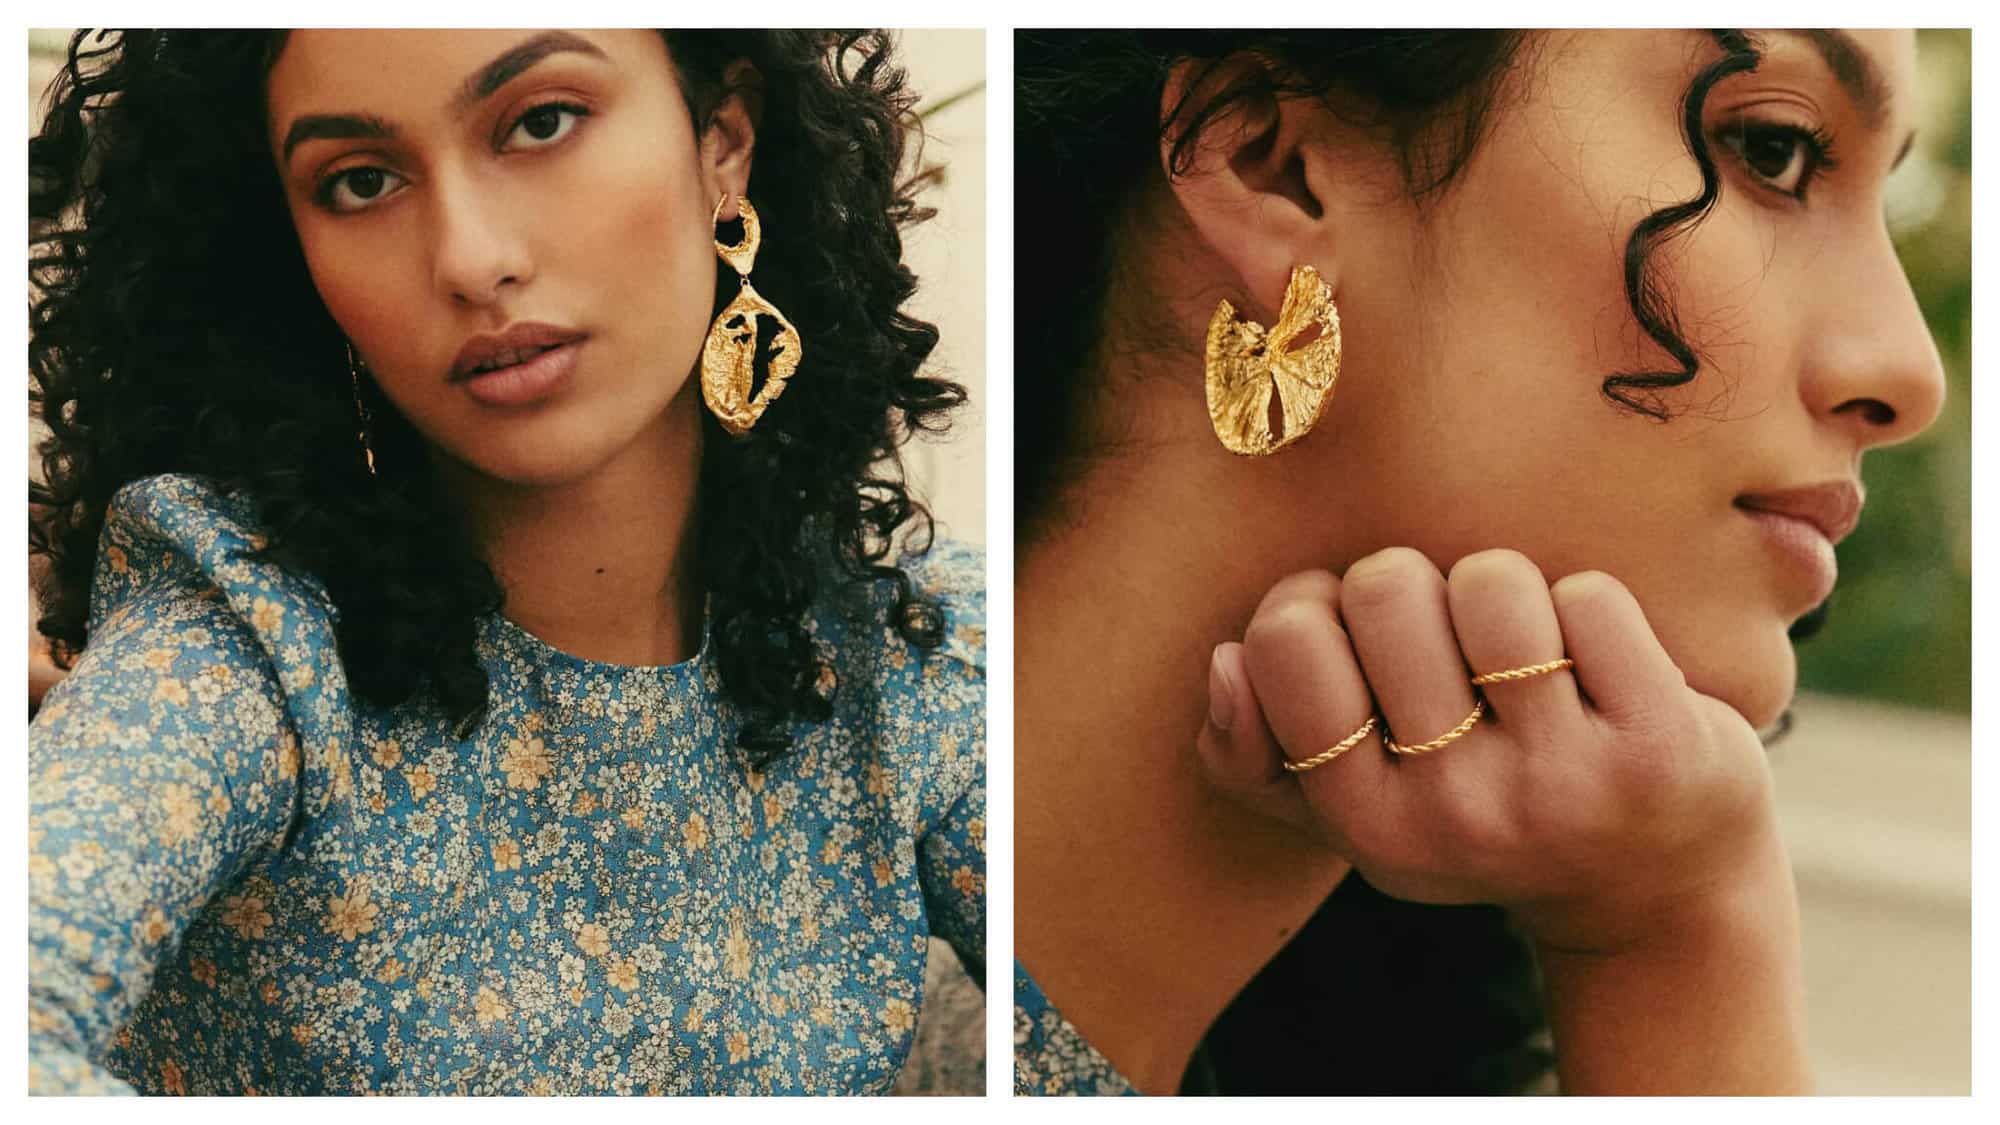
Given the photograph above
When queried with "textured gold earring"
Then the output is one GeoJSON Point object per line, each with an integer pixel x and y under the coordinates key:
{"type": "Point", "coordinates": [729, 356]}
{"type": "Point", "coordinates": [360, 408]}
{"type": "Point", "coordinates": [1246, 365]}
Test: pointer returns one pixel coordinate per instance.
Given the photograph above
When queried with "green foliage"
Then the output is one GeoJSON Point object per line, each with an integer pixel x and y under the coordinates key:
{"type": "Point", "coordinates": [1901, 622]}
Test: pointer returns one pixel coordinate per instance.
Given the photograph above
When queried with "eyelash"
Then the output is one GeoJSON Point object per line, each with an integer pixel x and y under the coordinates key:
{"type": "Point", "coordinates": [323, 195]}
{"type": "Point", "coordinates": [1816, 142]}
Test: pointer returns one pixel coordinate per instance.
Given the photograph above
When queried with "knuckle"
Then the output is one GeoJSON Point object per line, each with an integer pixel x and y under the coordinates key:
{"type": "Point", "coordinates": [1283, 629]}
{"type": "Point", "coordinates": [1385, 575]}
{"type": "Point", "coordinates": [1305, 585]}
{"type": "Point", "coordinates": [1587, 591]}
{"type": "Point", "coordinates": [1492, 574]}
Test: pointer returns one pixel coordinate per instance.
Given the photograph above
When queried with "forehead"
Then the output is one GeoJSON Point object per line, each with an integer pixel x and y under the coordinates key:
{"type": "Point", "coordinates": [408, 73]}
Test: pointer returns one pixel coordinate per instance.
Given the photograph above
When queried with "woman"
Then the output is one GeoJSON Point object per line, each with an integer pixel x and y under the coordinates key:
{"type": "Point", "coordinates": [470, 698]}
{"type": "Point", "coordinates": [1546, 355]}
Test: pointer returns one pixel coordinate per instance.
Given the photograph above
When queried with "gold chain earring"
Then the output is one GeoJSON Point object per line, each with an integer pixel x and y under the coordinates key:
{"type": "Point", "coordinates": [729, 356]}
{"type": "Point", "coordinates": [1246, 364]}
{"type": "Point", "coordinates": [360, 408]}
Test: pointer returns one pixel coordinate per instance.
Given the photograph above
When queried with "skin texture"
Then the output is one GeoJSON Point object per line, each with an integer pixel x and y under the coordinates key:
{"type": "Point", "coordinates": [1478, 328]}
{"type": "Point", "coordinates": [475, 221]}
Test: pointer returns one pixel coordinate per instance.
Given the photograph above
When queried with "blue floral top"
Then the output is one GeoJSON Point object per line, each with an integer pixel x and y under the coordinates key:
{"type": "Point", "coordinates": [1050, 1057]}
{"type": "Point", "coordinates": [243, 879]}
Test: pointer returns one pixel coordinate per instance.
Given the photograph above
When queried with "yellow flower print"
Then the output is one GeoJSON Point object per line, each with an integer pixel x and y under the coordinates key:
{"type": "Point", "coordinates": [736, 952]}
{"type": "Point", "coordinates": [875, 780]}
{"type": "Point", "coordinates": [154, 927]}
{"type": "Point", "coordinates": [421, 781]}
{"type": "Point", "coordinates": [882, 871]}
{"type": "Point", "coordinates": [966, 882]}
{"type": "Point", "coordinates": [586, 803]}
{"type": "Point", "coordinates": [506, 854]}
{"type": "Point", "coordinates": [976, 830]}
{"type": "Point", "coordinates": [116, 556]}
{"type": "Point", "coordinates": [390, 972]}
{"type": "Point", "coordinates": [623, 974]}
{"type": "Point", "coordinates": [267, 616]}
{"type": "Point", "coordinates": [898, 1015]}
{"type": "Point", "coordinates": [387, 753]}
{"type": "Point", "coordinates": [351, 915]}
{"type": "Point", "coordinates": [183, 814]}
{"type": "Point", "coordinates": [593, 939]}
{"type": "Point", "coordinates": [526, 762]}
{"type": "Point", "coordinates": [171, 691]}
{"type": "Point", "coordinates": [78, 942]}
{"type": "Point", "coordinates": [203, 970]}
{"type": "Point", "coordinates": [218, 802]}
{"type": "Point", "coordinates": [634, 817]}
{"type": "Point", "coordinates": [269, 992]}
{"type": "Point", "coordinates": [822, 1015]}
{"type": "Point", "coordinates": [487, 1007]}
{"type": "Point", "coordinates": [695, 832]}
{"type": "Point", "coordinates": [774, 810]}
{"type": "Point", "coordinates": [158, 659]}
{"type": "Point", "coordinates": [173, 1079]}
{"type": "Point", "coordinates": [739, 1046]}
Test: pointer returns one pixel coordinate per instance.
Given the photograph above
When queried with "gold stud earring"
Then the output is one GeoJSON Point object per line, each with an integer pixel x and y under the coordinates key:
{"type": "Point", "coordinates": [360, 408]}
{"type": "Point", "coordinates": [729, 356]}
{"type": "Point", "coordinates": [1246, 364]}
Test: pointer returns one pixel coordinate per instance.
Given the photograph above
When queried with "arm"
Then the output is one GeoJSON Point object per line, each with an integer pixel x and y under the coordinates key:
{"type": "Point", "coordinates": [157, 771]}
{"type": "Point", "coordinates": [951, 865]}
{"type": "Point", "coordinates": [1713, 1004]}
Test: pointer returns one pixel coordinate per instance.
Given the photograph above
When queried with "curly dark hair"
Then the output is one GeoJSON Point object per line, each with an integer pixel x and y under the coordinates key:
{"type": "Point", "coordinates": [1089, 126]}
{"type": "Point", "coordinates": [179, 331]}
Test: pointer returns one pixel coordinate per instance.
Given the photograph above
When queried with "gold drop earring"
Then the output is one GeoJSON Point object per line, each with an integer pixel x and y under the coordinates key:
{"type": "Point", "coordinates": [1246, 364]}
{"type": "Point", "coordinates": [360, 408]}
{"type": "Point", "coordinates": [729, 356]}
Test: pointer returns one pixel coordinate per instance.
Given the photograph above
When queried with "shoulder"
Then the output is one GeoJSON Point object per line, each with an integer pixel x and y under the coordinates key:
{"type": "Point", "coordinates": [181, 590]}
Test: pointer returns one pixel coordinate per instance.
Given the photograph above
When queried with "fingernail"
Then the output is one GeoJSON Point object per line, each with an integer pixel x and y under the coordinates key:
{"type": "Point", "coordinates": [1219, 698]}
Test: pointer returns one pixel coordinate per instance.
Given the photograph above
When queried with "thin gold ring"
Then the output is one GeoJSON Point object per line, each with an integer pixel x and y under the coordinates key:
{"type": "Point", "coordinates": [1325, 756]}
{"type": "Point", "coordinates": [1443, 740]}
{"type": "Point", "coordinates": [1526, 673]}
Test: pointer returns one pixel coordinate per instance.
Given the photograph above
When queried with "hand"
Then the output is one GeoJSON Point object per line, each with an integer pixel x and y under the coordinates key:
{"type": "Point", "coordinates": [1593, 804]}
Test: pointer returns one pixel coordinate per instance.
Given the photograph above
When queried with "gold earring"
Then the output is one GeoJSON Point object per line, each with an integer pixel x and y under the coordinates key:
{"type": "Point", "coordinates": [729, 356]}
{"type": "Point", "coordinates": [360, 408]}
{"type": "Point", "coordinates": [1246, 364]}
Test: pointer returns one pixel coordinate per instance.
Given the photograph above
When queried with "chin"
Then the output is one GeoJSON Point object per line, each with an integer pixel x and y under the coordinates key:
{"type": "Point", "coordinates": [1756, 676]}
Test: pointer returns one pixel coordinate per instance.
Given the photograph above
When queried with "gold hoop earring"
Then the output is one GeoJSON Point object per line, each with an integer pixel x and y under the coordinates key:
{"type": "Point", "coordinates": [360, 408]}
{"type": "Point", "coordinates": [729, 356]}
{"type": "Point", "coordinates": [1245, 364]}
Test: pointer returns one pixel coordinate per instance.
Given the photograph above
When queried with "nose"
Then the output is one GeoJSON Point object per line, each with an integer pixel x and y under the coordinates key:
{"type": "Point", "coordinates": [476, 249]}
{"type": "Point", "coordinates": [1875, 368]}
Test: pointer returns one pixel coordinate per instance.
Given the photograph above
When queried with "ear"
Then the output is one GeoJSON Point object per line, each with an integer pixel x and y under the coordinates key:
{"type": "Point", "coordinates": [731, 137]}
{"type": "Point", "coordinates": [1251, 182]}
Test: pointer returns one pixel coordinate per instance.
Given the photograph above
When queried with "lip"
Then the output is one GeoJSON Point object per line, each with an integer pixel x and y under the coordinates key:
{"type": "Point", "coordinates": [526, 382]}
{"type": "Point", "coordinates": [1803, 524]}
{"type": "Point", "coordinates": [526, 334]}
{"type": "Point", "coordinates": [1833, 508]}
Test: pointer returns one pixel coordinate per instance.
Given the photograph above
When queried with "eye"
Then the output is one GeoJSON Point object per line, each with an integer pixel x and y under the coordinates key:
{"type": "Point", "coordinates": [1785, 158]}
{"type": "Point", "coordinates": [548, 123]}
{"type": "Point", "coordinates": [364, 184]}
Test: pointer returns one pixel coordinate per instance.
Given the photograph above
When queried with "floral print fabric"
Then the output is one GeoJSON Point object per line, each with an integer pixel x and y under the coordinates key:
{"type": "Point", "coordinates": [1050, 1057]}
{"type": "Point", "coordinates": [243, 880]}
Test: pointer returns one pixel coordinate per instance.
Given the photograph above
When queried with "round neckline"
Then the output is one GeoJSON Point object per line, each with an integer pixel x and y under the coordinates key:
{"type": "Point", "coordinates": [545, 656]}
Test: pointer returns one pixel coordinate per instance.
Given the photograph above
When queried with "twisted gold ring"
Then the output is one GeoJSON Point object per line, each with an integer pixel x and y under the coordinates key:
{"type": "Point", "coordinates": [1527, 673]}
{"type": "Point", "coordinates": [1443, 740]}
{"type": "Point", "coordinates": [1325, 756]}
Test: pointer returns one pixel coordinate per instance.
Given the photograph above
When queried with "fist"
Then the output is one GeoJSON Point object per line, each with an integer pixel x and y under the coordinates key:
{"type": "Point", "coordinates": [1585, 800]}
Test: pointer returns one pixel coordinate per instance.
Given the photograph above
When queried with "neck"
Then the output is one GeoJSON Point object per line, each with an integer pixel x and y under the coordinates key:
{"type": "Point", "coordinates": [602, 567]}
{"type": "Point", "coordinates": [1145, 902]}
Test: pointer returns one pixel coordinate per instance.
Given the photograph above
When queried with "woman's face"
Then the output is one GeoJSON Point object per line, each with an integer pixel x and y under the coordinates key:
{"type": "Point", "coordinates": [1477, 337]}
{"type": "Point", "coordinates": [472, 182]}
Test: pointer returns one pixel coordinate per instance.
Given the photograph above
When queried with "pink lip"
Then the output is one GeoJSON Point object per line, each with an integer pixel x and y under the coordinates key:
{"type": "Point", "coordinates": [1834, 507]}
{"type": "Point", "coordinates": [1804, 546]}
{"type": "Point", "coordinates": [518, 337]}
{"type": "Point", "coordinates": [527, 382]}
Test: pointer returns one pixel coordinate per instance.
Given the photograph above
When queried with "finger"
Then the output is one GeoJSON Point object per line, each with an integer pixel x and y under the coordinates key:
{"type": "Point", "coordinates": [1394, 604]}
{"type": "Point", "coordinates": [1310, 691]}
{"type": "Point", "coordinates": [1626, 675]}
{"type": "Point", "coordinates": [1239, 757]}
{"type": "Point", "coordinates": [1501, 612]}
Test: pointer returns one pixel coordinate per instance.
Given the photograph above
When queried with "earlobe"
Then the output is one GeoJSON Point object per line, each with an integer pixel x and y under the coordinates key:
{"type": "Point", "coordinates": [1245, 182]}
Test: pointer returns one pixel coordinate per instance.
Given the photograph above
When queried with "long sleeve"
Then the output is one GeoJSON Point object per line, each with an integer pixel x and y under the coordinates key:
{"type": "Point", "coordinates": [162, 767]}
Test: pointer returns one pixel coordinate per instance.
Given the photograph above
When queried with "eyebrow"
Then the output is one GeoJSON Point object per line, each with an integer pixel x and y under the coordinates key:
{"type": "Point", "coordinates": [478, 86]}
{"type": "Point", "coordinates": [1852, 68]}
